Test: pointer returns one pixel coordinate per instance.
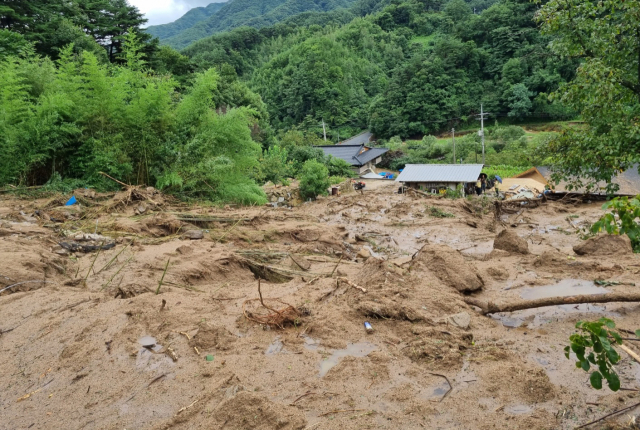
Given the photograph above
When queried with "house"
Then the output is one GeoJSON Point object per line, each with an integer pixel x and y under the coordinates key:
{"type": "Point", "coordinates": [628, 181]}
{"type": "Point", "coordinates": [361, 157]}
{"type": "Point", "coordinates": [435, 177]}
{"type": "Point", "coordinates": [535, 174]}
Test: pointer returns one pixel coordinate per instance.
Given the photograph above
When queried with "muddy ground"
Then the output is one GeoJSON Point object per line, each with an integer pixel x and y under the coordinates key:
{"type": "Point", "coordinates": [88, 344]}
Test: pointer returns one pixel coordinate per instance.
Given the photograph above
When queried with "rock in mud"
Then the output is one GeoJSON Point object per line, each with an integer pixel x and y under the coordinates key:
{"type": "Point", "coordinates": [498, 273]}
{"type": "Point", "coordinates": [193, 234]}
{"type": "Point", "coordinates": [605, 245]}
{"type": "Point", "coordinates": [364, 253]}
{"type": "Point", "coordinates": [461, 320]}
{"type": "Point", "coordinates": [511, 242]}
{"type": "Point", "coordinates": [450, 267]}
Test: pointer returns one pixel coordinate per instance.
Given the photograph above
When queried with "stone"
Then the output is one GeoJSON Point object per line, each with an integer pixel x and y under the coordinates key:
{"type": "Point", "coordinates": [184, 250]}
{"type": "Point", "coordinates": [461, 320]}
{"type": "Point", "coordinates": [607, 244]}
{"type": "Point", "coordinates": [364, 253]}
{"type": "Point", "coordinates": [401, 261]}
{"type": "Point", "coordinates": [193, 234]}
{"type": "Point", "coordinates": [510, 242]}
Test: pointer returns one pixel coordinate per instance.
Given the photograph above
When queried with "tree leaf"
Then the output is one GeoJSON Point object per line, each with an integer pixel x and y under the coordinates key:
{"type": "Point", "coordinates": [596, 380]}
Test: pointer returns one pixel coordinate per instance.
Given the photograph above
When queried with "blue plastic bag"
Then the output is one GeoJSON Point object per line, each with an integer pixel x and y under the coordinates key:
{"type": "Point", "coordinates": [71, 201]}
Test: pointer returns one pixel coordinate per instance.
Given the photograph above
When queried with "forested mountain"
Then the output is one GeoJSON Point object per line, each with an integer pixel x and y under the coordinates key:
{"type": "Point", "coordinates": [185, 22]}
{"type": "Point", "coordinates": [252, 13]}
{"type": "Point", "coordinates": [83, 90]}
{"type": "Point", "coordinates": [413, 67]}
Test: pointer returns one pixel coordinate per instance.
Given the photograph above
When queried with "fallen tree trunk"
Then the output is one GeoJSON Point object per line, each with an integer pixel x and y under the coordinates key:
{"type": "Point", "coordinates": [491, 307]}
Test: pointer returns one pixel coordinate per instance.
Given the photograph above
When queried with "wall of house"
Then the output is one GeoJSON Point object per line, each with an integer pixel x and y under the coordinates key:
{"type": "Point", "coordinates": [428, 186]}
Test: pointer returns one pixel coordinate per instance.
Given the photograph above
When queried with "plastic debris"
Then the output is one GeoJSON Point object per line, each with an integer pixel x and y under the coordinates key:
{"type": "Point", "coordinates": [209, 357]}
{"type": "Point", "coordinates": [368, 327]}
{"type": "Point", "coordinates": [71, 201]}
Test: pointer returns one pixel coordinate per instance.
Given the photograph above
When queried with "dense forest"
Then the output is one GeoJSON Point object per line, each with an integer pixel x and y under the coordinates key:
{"type": "Point", "coordinates": [238, 13]}
{"type": "Point", "coordinates": [84, 89]}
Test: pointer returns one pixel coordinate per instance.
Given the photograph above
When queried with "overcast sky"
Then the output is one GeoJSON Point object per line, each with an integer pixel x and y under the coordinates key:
{"type": "Point", "coordinates": [164, 11]}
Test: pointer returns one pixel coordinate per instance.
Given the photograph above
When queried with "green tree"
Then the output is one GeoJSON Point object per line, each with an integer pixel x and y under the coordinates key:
{"type": "Point", "coordinates": [314, 179]}
{"type": "Point", "coordinates": [606, 90]}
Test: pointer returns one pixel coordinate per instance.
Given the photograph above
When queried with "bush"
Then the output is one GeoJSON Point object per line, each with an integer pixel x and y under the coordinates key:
{"type": "Point", "coordinates": [339, 167]}
{"type": "Point", "coordinates": [314, 179]}
{"type": "Point", "coordinates": [621, 219]}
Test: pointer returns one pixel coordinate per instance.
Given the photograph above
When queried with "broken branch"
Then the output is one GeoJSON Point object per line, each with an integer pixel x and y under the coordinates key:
{"type": "Point", "coordinates": [488, 307]}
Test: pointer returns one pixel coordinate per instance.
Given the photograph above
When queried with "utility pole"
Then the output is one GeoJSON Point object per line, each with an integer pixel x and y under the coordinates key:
{"type": "Point", "coordinates": [453, 139]}
{"type": "Point", "coordinates": [324, 130]}
{"type": "Point", "coordinates": [481, 133]}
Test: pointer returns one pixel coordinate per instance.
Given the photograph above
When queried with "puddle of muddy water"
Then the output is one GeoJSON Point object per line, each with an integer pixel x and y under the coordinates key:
{"type": "Point", "coordinates": [566, 287]}
{"type": "Point", "coordinates": [518, 409]}
{"type": "Point", "coordinates": [540, 316]}
{"type": "Point", "coordinates": [361, 349]}
{"type": "Point", "coordinates": [275, 347]}
{"type": "Point", "coordinates": [310, 343]}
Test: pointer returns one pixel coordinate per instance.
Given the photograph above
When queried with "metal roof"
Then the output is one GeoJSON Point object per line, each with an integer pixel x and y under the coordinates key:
{"type": "Point", "coordinates": [359, 139]}
{"type": "Point", "coordinates": [440, 173]}
{"type": "Point", "coordinates": [356, 155]}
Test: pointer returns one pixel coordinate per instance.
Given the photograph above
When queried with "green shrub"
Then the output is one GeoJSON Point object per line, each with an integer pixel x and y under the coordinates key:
{"type": "Point", "coordinates": [624, 218]}
{"type": "Point", "coordinates": [314, 179]}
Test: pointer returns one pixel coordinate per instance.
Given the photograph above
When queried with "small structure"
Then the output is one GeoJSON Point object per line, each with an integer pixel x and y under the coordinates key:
{"type": "Point", "coordinates": [436, 177]}
{"type": "Point", "coordinates": [359, 139]}
{"type": "Point", "coordinates": [535, 174]}
{"type": "Point", "coordinates": [361, 157]}
{"type": "Point", "coordinates": [628, 181]}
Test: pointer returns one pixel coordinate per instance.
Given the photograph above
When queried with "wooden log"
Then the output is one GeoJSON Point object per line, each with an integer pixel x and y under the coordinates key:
{"type": "Point", "coordinates": [488, 307]}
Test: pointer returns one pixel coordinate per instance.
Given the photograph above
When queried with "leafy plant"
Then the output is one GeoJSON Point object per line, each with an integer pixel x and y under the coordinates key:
{"type": "Point", "coordinates": [439, 213]}
{"type": "Point", "coordinates": [314, 179]}
{"type": "Point", "coordinates": [597, 336]}
{"type": "Point", "coordinates": [621, 220]}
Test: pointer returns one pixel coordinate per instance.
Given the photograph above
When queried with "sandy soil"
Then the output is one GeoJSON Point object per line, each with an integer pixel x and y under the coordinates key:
{"type": "Point", "coordinates": [90, 345]}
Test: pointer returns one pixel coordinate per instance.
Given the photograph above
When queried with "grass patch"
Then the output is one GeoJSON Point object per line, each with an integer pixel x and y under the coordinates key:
{"type": "Point", "coordinates": [439, 213]}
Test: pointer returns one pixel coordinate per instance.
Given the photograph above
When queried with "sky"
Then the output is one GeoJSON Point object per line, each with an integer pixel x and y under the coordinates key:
{"type": "Point", "coordinates": [164, 11]}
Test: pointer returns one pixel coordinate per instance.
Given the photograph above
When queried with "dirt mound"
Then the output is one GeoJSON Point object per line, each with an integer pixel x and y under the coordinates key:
{"type": "Point", "coordinates": [247, 410]}
{"type": "Point", "coordinates": [552, 261]}
{"type": "Point", "coordinates": [510, 242]}
{"type": "Point", "coordinates": [604, 245]}
{"type": "Point", "coordinates": [498, 273]}
{"type": "Point", "coordinates": [450, 267]}
{"type": "Point", "coordinates": [211, 336]}
{"type": "Point", "coordinates": [379, 307]}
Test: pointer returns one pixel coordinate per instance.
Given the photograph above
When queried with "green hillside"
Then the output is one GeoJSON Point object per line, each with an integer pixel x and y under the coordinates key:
{"type": "Point", "coordinates": [185, 22]}
{"type": "Point", "coordinates": [408, 69]}
{"type": "Point", "coordinates": [251, 13]}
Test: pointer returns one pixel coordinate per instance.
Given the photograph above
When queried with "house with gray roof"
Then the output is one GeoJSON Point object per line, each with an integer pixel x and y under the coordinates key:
{"type": "Point", "coordinates": [361, 157]}
{"type": "Point", "coordinates": [433, 178]}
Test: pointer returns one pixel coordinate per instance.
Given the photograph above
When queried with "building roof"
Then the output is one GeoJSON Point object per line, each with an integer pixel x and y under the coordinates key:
{"type": "Point", "coordinates": [356, 155]}
{"type": "Point", "coordinates": [629, 182]}
{"type": "Point", "coordinates": [359, 139]}
{"type": "Point", "coordinates": [440, 173]}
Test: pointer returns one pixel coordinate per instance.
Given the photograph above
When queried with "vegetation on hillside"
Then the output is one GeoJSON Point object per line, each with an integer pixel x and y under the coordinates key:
{"type": "Point", "coordinates": [249, 13]}
{"type": "Point", "coordinates": [411, 69]}
{"type": "Point", "coordinates": [185, 22]}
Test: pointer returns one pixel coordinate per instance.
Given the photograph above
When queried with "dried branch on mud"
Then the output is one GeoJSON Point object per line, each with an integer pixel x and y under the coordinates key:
{"type": "Point", "coordinates": [25, 282]}
{"type": "Point", "coordinates": [273, 317]}
{"type": "Point", "coordinates": [488, 307]}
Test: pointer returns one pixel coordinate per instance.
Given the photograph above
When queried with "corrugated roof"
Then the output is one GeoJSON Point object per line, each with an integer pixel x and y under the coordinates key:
{"type": "Point", "coordinates": [356, 155]}
{"type": "Point", "coordinates": [440, 173]}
